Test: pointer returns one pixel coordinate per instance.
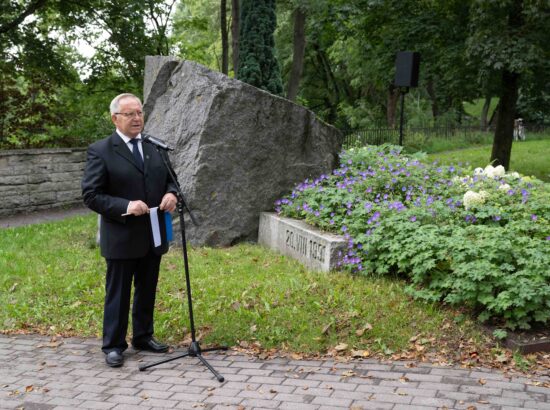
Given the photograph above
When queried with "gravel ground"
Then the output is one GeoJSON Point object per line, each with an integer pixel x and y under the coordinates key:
{"type": "Point", "coordinates": [47, 215]}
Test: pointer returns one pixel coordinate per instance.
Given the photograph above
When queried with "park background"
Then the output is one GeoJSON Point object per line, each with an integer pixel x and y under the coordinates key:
{"type": "Point", "coordinates": [334, 57]}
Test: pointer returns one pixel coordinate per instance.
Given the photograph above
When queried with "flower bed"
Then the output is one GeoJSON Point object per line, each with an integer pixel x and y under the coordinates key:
{"type": "Point", "coordinates": [477, 238]}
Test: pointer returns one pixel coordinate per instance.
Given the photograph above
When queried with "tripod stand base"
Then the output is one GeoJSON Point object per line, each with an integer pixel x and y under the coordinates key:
{"type": "Point", "coordinates": [193, 351]}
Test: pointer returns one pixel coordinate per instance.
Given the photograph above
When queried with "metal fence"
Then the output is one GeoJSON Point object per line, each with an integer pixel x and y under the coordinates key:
{"type": "Point", "coordinates": [379, 136]}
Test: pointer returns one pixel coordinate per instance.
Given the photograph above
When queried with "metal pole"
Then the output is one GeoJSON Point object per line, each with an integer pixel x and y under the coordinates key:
{"type": "Point", "coordinates": [401, 119]}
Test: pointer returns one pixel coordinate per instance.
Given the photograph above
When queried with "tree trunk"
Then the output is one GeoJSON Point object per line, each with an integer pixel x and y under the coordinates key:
{"type": "Point", "coordinates": [485, 113]}
{"type": "Point", "coordinates": [504, 132]}
{"type": "Point", "coordinates": [235, 24]}
{"type": "Point", "coordinates": [494, 116]}
{"type": "Point", "coordinates": [391, 109]}
{"type": "Point", "coordinates": [332, 96]}
{"type": "Point", "coordinates": [299, 43]}
{"type": "Point", "coordinates": [433, 98]}
{"type": "Point", "coordinates": [225, 44]}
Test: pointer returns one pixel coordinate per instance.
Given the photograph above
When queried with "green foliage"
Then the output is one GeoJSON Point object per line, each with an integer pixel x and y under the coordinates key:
{"type": "Point", "coordinates": [196, 32]}
{"type": "Point", "coordinates": [258, 64]}
{"type": "Point", "coordinates": [476, 240]}
{"type": "Point", "coordinates": [242, 293]}
{"type": "Point", "coordinates": [52, 96]}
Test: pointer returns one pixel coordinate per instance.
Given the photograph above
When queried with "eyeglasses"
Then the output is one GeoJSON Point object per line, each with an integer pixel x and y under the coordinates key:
{"type": "Point", "coordinates": [130, 114]}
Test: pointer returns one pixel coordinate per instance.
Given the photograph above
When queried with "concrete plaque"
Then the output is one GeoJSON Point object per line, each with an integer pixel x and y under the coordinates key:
{"type": "Point", "coordinates": [314, 248]}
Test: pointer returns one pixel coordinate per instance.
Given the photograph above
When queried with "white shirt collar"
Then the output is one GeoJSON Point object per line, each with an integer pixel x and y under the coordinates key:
{"type": "Point", "coordinates": [125, 138]}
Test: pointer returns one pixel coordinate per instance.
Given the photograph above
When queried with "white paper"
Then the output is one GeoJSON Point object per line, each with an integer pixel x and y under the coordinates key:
{"type": "Point", "coordinates": [155, 226]}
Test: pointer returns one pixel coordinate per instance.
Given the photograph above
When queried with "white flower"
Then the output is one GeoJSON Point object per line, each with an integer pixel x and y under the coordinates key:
{"type": "Point", "coordinates": [478, 171]}
{"type": "Point", "coordinates": [513, 175]}
{"type": "Point", "coordinates": [472, 198]}
{"type": "Point", "coordinates": [504, 187]}
{"type": "Point", "coordinates": [489, 170]}
{"type": "Point", "coordinates": [499, 171]}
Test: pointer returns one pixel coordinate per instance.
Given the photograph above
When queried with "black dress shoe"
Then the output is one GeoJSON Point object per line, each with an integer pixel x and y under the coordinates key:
{"type": "Point", "coordinates": [151, 345]}
{"type": "Point", "coordinates": [114, 359]}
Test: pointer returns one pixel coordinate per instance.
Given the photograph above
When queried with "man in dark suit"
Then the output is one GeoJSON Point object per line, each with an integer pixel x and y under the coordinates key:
{"type": "Point", "coordinates": [122, 180]}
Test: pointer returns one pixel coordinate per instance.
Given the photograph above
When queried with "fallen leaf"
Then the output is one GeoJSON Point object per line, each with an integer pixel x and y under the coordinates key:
{"type": "Point", "coordinates": [348, 373]}
{"type": "Point", "coordinates": [341, 347]}
{"type": "Point", "coordinates": [359, 353]}
{"type": "Point", "coordinates": [29, 388]}
{"type": "Point", "coordinates": [482, 381]}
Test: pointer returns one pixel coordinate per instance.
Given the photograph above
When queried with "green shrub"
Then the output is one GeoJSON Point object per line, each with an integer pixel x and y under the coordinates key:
{"type": "Point", "coordinates": [479, 239]}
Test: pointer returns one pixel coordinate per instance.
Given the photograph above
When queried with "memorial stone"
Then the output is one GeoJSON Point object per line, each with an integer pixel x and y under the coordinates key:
{"type": "Point", "coordinates": [315, 249]}
{"type": "Point", "coordinates": [237, 148]}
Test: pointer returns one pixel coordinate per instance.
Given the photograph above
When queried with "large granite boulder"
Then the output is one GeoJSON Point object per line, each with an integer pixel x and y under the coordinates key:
{"type": "Point", "coordinates": [237, 148]}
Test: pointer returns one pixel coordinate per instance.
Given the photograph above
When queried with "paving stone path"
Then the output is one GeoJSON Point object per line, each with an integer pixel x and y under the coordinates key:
{"type": "Point", "coordinates": [70, 373]}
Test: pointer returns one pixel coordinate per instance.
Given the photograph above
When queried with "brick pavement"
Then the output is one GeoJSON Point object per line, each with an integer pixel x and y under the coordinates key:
{"type": "Point", "coordinates": [37, 374]}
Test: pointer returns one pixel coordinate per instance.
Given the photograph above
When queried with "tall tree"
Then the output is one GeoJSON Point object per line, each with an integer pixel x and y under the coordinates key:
{"type": "Point", "coordinates": [299, 47]}
{"type": "Point", "coordinates": [235, 27]}
{"type": "Point", "coordinates": [225, 43]}
{"type": "Point", "coordinates": [38, 62]}
{"type": "Point", "coordinates": [258, 64]}
{"type": "Point", "coordinates": [510, 40]}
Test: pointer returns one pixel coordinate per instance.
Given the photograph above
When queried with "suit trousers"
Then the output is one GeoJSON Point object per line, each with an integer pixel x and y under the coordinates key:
{"type": "Point", "coordinates": [118, 285]}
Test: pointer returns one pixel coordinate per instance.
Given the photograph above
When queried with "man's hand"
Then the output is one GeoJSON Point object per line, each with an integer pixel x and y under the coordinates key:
{"type": "Point", "coordinates": [138, 208]}
{"type": "Point", "coordinates": [168, 202]}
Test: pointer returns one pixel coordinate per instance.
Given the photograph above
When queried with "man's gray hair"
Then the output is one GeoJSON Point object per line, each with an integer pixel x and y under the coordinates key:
{"type": "Point", "coordinates": [115, 104]}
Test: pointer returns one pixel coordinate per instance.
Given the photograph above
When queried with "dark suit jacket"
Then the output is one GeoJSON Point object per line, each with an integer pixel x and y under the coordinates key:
{"type": "Point", "coordinates": [111, 180]}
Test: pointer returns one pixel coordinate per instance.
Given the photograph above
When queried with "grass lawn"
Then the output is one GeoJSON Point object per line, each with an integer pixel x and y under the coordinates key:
{"type": "Point", "coordinates": [53, 277]}
{"type": "Point", "coordinates": [531, 157]}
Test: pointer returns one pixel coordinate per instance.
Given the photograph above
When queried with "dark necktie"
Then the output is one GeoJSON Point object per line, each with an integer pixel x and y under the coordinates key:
{"type": "Point", "coordinates": [137, 155]}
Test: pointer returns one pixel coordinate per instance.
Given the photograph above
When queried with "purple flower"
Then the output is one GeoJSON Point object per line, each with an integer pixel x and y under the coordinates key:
{"type": "Point", "coordinates": [344, 228]}
{"type": "Point", "coordinates": [533, 217]}
{"type": "Point", "coordinates": [496, 218]}
{"type": "Point", "coordinates": [412, 218]}
{"type": "Point", "coordinates": [548, 238]}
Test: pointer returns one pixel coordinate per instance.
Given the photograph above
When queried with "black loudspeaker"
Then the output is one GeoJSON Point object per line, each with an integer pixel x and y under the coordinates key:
{"type": "Point", "coordinates": [407, 67]}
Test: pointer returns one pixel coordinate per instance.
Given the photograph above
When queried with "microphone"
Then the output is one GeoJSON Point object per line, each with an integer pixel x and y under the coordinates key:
{"type": "Point", "coordinates": [156, 142]}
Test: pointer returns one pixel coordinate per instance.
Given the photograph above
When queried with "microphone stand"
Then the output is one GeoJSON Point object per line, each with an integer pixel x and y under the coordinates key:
{"type": "Point", "coordinates": [194, 349]}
